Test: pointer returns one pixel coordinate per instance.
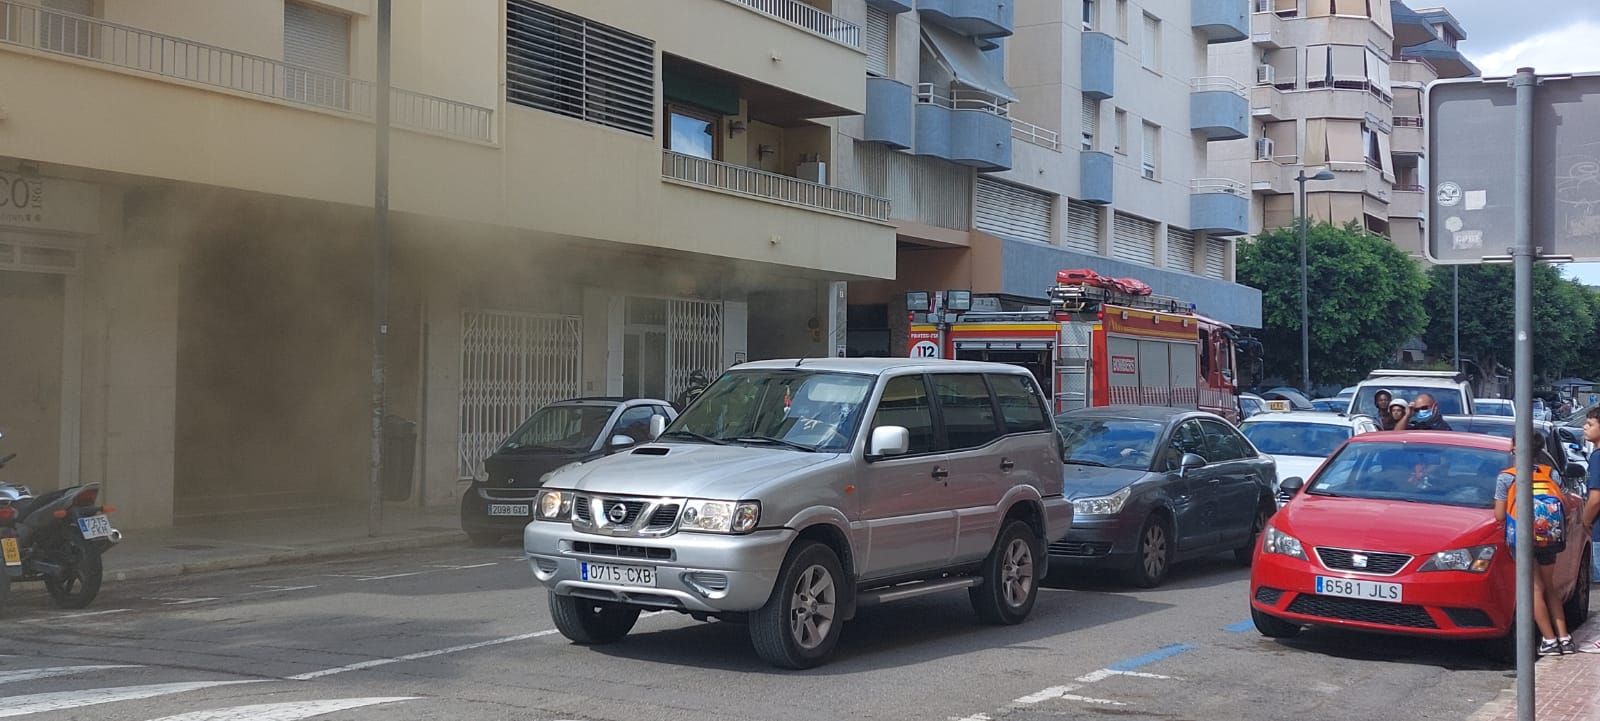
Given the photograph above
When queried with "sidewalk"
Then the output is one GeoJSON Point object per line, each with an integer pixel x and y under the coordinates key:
{"type": "Point", "coordinates": [240, 543]}
{"type": "Point", "coordinates": [1567, 688]}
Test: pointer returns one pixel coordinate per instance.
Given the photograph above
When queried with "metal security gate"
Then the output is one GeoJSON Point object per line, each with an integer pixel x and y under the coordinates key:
{"type": "Point", "coordinates": [694, 342]}
{"type": "Point", "coordinates": [1083, 227]}
{"type": "Point", "coordinates": [511, 365]}
{"type": "Point", "coordinates": [1133, 239]}
{"type": "Point", "coordinates": [1216, 258]}
{"type": "Point", "coordinates": [1180, 249]}
{"type": "Point", "coordinates": [1012, 211]}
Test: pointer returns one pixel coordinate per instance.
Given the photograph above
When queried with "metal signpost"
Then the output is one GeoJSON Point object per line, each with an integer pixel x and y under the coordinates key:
{"type": "Point", "coordinates": [1547, 132]}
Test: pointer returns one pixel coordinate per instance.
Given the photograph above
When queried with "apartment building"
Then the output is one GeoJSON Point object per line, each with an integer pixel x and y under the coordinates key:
{"type": "Point", "coordinates": [1017, 139]}
{"type": "Point", "coordinates": [590, 197]}
{"type": "Point", "coordinates": [1337, 84]}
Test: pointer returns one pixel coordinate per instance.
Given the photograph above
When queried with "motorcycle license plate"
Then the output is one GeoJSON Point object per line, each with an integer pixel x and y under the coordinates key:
{"type": "Point", "coordinates": [8, 549]}
{"type": "Point", "coordinates": [95, 526]}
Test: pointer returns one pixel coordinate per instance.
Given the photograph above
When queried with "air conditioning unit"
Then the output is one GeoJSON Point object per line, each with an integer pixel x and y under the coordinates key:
{"type": "Point", "coordinates": [1266, 75]}
{"type": "Point", "coordinates": [1263, 148]}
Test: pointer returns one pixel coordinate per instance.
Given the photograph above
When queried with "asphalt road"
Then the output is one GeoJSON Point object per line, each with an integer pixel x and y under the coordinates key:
{"type": "Point", "coordinates": [463, 633]}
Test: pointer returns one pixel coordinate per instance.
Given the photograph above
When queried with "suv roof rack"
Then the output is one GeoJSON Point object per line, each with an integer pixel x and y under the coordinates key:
{"type": "Point", "coordinates": [1396, 372]}
{"type": "Point", "coordinates": [1080, 297]}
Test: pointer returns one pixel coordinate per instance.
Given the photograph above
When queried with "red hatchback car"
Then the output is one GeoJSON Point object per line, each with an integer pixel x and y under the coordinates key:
{"type": "Point", "coordinates": [1396, 533]}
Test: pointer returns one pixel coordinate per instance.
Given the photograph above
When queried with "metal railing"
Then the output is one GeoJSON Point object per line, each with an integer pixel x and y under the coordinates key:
{"type": "Point", "coordinates": [771, 186]}
{"type": "Point", "coordinates": [122, 46]}
{"type": "Point", "coordinates": [1408, 121]}
{"type": "Point", "coordinates": [1408, 188]}
{"type": "Point", "coordinates": [808, 18]}
{"type": "Point", "coordinates": [1029, 133]}
{"type": "Point", "coordinates": [960, 99]}
{"type": "Point", "coordinates": [1219, 185]}
{"type": "Point", "coordinates": [1207, 83]}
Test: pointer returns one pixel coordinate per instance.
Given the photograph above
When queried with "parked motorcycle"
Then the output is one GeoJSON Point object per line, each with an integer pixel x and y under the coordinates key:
{"type": "Point", "coordinates": [697, 385]}
{"type": "Point", "coordinates": [57, 538]}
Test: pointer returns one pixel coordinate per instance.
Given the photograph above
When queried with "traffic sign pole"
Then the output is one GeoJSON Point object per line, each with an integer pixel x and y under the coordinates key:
{"type": "Point", "coordinates": [1522, 255]}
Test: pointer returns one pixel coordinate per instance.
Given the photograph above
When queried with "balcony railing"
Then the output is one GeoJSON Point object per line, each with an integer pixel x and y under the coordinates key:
{"type": "Point", "coordinates": [121, 46]}
{"type": "Point", "coordinates": [1040, 136]}
{"type": "Point", "coordinates": [960, 100]}
{"type": "Point", "coordinates": [1219, 185]}
{"type": "Point", "coordinates": [1407, 188]}
{"type": "Point", "coordinates": [773, 187]}
{"type": "Point", "coordinates": [1408, 121]}
{"type": "Point", "coordinates": [808, 18]}
{"type": "Point", "coordinates": [1207, 83]}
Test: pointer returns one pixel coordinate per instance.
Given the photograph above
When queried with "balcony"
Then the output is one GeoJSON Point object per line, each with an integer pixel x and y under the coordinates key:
{"type": "Point", "coordinates": [964, 127]}
{"type": "Point", "coordinates": [770, 187]}
{"type": "Point", "coordinates": [1219, 206]}
{"type": "Point", "coordinates": [1095, 177]}
{"type": "Point", "coordinates": [889, 113]}
{"type": "Point", "coordinates": [1409, 137]}
{"type": "Point", "coordinates": [1099, 66]}
{"type": "Point", "coordinates": [1275, 176]}
{"type": "Point", "coordinates": [1037, 135]}
{"type": "Point", "coordinates": [1220, 21]}
{"type": "Point", "coordinates": [1412, 71]}
{"type": "Point", "coordinates": [1266, 30]}
{"type": "Point", "coordinates": [810, 19]}
{"type": "Point", "coordinates": [1407, 201]}
{"type": "Point", "coordinates": [127, 48]}
{"type": "Point", "coordinates": [973, 18]}
{"type": "Point", "coordinates": [1218, 108]}
{"type": "Point", "coordinates": [1266, 103]}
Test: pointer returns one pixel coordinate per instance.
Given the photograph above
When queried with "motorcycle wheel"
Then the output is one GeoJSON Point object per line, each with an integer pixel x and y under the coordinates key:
{"type": "Point", "coordinates": [78, 586]}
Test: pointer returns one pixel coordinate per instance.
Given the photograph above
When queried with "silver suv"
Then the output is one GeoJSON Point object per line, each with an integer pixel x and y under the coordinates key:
{"type": "Point", "coordinates": [793, 493]}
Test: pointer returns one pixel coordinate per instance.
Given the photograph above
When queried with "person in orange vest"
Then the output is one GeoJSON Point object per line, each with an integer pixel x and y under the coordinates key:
{"type": "Point", "coordinates": [1549, 540]}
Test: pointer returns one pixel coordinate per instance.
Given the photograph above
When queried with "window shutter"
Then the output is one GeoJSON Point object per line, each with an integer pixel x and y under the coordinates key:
{"type": "Point", "coordinates": [1180, 249]}
{"type": "Point", "coordinates": [1012, 211]}
{"type": "Point", "coordinates": [1317, 66]}
{"type": "Point", "coordinates": [565, 64]}
{"type": "Point", "coordinates": [1150, 49]}
{"type": "Point", "coordinates": [1083, 227]}
{"type": "Point", "coordinates": [1133, 239]}
{"type": "Point", "coordinates": [1216, 257]}
{"type": "Point", "coordinates": [316, 39]}
{"type": "Point", "coordinates": [1147, 150]}
{"type": "Point", "coordinates": [1091, 121]}
{"type": "Point", "coordinates": [877, 41]}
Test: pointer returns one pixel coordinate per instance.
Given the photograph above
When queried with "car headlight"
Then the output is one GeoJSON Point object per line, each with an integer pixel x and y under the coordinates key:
{"type": "Point", "coordinates": [1282, 543]}
{"type": "Point", "coordinates": [1102, 505]}
{"type": "Point", "coordinates": [1473, 559]}
{"type": "Point", "coordinates": [720, 516]}
{"type": "Point", "coordinates": [554, 505]}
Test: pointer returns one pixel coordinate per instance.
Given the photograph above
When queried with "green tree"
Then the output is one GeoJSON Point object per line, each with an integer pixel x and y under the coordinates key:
{"type": "Point", "coordinates": [1366, 299]}
{"type": "Point", "coordinates": [1564, 316]}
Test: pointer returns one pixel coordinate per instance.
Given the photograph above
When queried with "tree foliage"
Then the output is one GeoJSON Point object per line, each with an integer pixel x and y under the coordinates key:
{"type": "Point", "coordinates": [1564, 319]}
{"type": "Point", "coordinates": [1366, 299]}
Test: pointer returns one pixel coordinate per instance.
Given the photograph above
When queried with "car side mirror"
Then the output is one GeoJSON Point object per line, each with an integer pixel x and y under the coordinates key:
{"type": "Point", "coordinates": [1576, 471]}
{"type": "Point", "coordinates": [658, 426]}
{"type": "Point", "coordinates": [889, 441]}
{"type": "Point", "coordinates": [1567, 435]}
{"type": "Point", "coordinates": [1189, 462]}
{"type": "Point", "coordinates": [1292, 485]}
{"type": "Point", "coordinates": [620, 441]}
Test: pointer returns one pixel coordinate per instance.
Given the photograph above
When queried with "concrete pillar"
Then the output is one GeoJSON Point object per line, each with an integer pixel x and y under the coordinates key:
{"type": "Point", "coordinates": [141, 354]}
{"type": "Point", "coordinates": [838, 316]}
{"type": "Point", "coordinates": [440, 429]}
{"type": "Point", "coordinates": [1161, 245]}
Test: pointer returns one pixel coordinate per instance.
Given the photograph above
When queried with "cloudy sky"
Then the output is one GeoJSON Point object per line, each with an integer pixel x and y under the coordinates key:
{"type": "Point", "coordinates": [1550, 35]}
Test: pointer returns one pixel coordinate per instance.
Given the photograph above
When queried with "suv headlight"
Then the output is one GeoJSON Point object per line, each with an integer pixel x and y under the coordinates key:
{"type": "Point", "coordinates": [1473, 559]}
{"type": "Point", "coordinates": [554, 505]}
{"type": "Point", "coordinates": [719, 516]}
{"type": "Point", "coordinates": [1102, 505]}
{"type": "Point", "coordinates": [1282, 543]}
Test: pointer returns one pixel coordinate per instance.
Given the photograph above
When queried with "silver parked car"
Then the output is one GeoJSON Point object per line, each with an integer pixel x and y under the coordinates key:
{"type": "Point", "coordinates": [793, 493]}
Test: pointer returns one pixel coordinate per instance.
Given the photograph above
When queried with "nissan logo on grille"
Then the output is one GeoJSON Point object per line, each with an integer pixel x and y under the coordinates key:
{"type": "Point", "coordinates": [618, 513]}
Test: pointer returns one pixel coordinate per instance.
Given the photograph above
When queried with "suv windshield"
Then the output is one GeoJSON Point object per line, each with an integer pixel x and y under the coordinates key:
{"type": "Point", "coordinates": [801, 409]}
{"type": "Point", "coordinates": [1109, 441]}
{"type": "Point", "coordinates": [1295, 439]}
{"type": "Point", "coordinates": [1417, 472]}
{"type": "Point", "coordinates": [560, 428]}
{"type": "Point", "coordinates": [1450, 401]}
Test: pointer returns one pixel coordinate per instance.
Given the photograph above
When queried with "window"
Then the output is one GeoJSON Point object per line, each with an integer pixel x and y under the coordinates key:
{"type": "Point", "coordinates": [565, 64]}
{"type": "Point", "coordinates": [1091, 121]}
{"type": "Point", "coordinates": [1150, 153]}
{"type": "Point", "coordinates": [1121, 127]}
{"type": "Point", "coordinates": [1088, 15]}
{"type": "Point", "coordinates": [635, 423]}
{"type": "Point", "coordinates": [1224, 443]}
{"type": "Point", "coordinates": [1020, 405]}
{"type": "Point", "coordinates": [1186, 438]}
{"type": "Point", "coordinates": [316, 44]}
{"type": "Point", "coordinates": [905, 404]}
{"type": "Point", "coordinates": [1122, 20]}
{"type": "Point", "coordinates": [1150, 49]}
{"type": "Point", "coordinates": [1113, 442]}
{"type": "Point", "coordinates": [877, 41]}
{"type": "Point", "coordinates": [692, 131]}
{"type": "Point", "coordinates": [968, 413]}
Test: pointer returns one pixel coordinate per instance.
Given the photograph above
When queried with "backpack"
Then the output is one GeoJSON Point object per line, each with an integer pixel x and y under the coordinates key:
{"type": "Point", "coordinates": [1549, 513]}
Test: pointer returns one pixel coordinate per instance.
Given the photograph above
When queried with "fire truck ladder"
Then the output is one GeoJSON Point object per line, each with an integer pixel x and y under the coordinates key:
{"type": "Point", "coordinates": [1072, 365]}
{"type": "Point", "coordinates": [1081, 298]}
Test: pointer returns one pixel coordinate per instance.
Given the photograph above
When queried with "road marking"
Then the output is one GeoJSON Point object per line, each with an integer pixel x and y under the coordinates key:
{"type": "Point", "coordinates": [392, 575]}
{"type": "Point", "coordinates": [291, 711]}
{"type": "Point", "coordinates": [374, 663]}
{"type": "Point", "coordinates": [1106, 673]}
{"type": "Point", "coordinates": [1165, 652]}
{"type": "Point", "coordinates": [974, 717]}
{"type": "Point", "coordinates": [1064, 693]}
{"type": "Point", "coordinates": [274, 589]}
{"type": "Point", "coordinates": [31, 674]}
{"type": "Point", "coordinates": [463, 568]}
{"type": "Point", "coordinates": [61, 700]}
{"type": "Point", "coordinates": [186, 601]}
{"type": "Point", "coordinates": [1240, 627]}
{"type": "Point", "coordinates": [87, 614]}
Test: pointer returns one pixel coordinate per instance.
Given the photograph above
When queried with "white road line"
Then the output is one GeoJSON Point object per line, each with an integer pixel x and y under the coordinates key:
{"type": "Point", "coordinates": [974, 717]}
{"type": "Point", "coordinates": [274, 589]}
{"type": "Point", "coordinates": [290, 711]}
{"type": "Point", "coordinates": [392, 575]}
{"type": "Point", "coordinates": [61, 700]}
{"type": "Point", "coordinates": [463, 568]}
{"type": "Point", "coordinates": [1106, 673]}
{"type": "Point", "coordinates": [419, 655]}
{"type": "Point", "coordinates": [1063, 693]}
{"type": "Point", "coordinates": [1088, 699]}
{"type": "Point", "coordinates": [31, 674]}
{"type": "Point", "coordinates": [186, 601]}
{"type": "Point", "coordinates": [87, 614]}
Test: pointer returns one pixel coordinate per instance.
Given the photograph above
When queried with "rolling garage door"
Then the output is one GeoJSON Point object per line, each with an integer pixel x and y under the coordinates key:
{"type": "Point", "coordinates": [1012, 211]}
{"type": "Point", "coordinates": [1180, 249]}
{"type": "Point", "coordinates": [1083, 227]}
{"type": "Point", "coordinates": [1133, 239]}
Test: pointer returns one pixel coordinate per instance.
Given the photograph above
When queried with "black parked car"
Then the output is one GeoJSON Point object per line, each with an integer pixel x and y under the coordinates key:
{"type": "Point", "coordinates": [564, 432]}
{"type": "Point", "coordinates": [1153, 485]}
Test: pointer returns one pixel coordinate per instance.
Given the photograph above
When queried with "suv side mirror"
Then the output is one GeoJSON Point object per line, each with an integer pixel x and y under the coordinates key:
{"type": "Point", "coordinates": [1576, 471]}
{"type": "Point", "coordinates": [889, 441]}
{"type": "Point", "coordinates": [658, 426]}
{"type": "Point", "coordinates": [1189, 462]}
{"type": "Point", "coordinates": [621, 441]}
{"type": "Point", "coordinates": [1291, 485]}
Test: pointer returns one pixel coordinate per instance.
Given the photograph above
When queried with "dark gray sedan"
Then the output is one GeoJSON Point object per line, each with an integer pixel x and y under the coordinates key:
{"type": "Point", "coordinates": [1152, 486]}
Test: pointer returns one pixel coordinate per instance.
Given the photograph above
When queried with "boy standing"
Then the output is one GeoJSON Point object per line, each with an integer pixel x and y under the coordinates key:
{"type": "Point", "coordinates": [1591, 507]}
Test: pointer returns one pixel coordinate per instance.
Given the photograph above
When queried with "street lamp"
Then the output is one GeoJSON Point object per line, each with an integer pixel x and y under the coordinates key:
{"type": "Point", "coordinates": [1305, 332]}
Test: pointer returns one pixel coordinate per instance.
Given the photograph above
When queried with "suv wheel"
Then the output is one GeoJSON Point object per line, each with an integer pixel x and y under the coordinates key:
{"type": "Point", "coordinates": [1246, 553]}
{"type": "Point", "coordinates": [1010, 577]}
{"type": "Point", "coordinates": [800, 623]}
{"type": "Point", "coordinates": [1577, 605]}
{"type": "Point", "coordinates": [1153, 557]}
{"type": "Point", "coordinates": [1273, 627]}
{"type": "Point", "coordinates": [591, 622]}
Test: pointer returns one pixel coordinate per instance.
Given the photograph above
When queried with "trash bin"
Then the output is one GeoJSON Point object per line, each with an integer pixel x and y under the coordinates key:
{"type": "Point", "coordinates": [399, 455]}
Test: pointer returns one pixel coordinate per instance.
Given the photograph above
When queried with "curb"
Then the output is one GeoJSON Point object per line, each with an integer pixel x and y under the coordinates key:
{"type": "Point", "coordinates": [327, 550]}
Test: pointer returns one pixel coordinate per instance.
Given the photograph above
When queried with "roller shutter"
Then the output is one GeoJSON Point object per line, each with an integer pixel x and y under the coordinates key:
{"type": "Point", "coordinates": [1216, 258]}
{"type": "Point", "coordinates": [1180, 249]}
{"type": "Point", "coordinates": [877, 41]}
{"type": "Point", "coordinates": [1013, 211]}
{"type": "Point", "coordinates": [1133, 239]}
{"type": "Point", "coordinates": [1083, 227]}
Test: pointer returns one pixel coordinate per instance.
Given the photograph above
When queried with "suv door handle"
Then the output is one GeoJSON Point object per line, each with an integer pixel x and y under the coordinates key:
{"type": "Point", "coordinates": [940, 473]}
{"type": "Point", "coordinates": [1214, 482]}
{"type": "Point", "coordinates": [1007, 464]}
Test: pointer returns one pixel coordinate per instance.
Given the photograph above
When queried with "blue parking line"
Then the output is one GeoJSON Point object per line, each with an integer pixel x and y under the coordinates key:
{"type": "Point", "coordinates": [1161, 653]}
{"type": "Point", "coordinates": [1240, 627]}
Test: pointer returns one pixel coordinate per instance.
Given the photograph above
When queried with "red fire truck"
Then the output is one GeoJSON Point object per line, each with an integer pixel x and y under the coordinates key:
{"type": "Point", "coordinates": [1096, 345]}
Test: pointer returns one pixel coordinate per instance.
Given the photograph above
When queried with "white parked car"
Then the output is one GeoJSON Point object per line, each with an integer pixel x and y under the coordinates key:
{"type": "Point", "coordinates": [1301, 440]}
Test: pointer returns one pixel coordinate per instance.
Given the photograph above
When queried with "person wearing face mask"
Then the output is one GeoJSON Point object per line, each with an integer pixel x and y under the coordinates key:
{"type": "Point", "coordinates": [1423, 415]}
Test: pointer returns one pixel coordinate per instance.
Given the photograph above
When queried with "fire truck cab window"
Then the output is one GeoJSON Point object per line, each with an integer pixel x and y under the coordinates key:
{"type": "Point", "coordinates": [1205, 352]}
{"type": "Point", "coordinates": [1186, 438]}
{"type": "Point", "coordinates": [968, 412]}
{"type": "Point", "coordinates": [1018, 404]}
{"type": "Point", "coordinates": [905, 403]}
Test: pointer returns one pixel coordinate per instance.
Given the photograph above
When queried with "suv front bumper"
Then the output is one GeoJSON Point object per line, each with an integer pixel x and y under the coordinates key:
{"type": "Point", "coordinates": [701, 572]}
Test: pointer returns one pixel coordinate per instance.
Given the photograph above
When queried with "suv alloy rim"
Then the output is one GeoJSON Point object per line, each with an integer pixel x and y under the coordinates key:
{"type": "Point", "coordinates": [811, 610]}
{"type": "Point", "coordinates": [1016, 573]}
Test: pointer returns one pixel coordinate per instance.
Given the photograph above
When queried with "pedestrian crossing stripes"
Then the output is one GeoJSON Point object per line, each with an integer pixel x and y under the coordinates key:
{"type": "Point", "coordinates": [63, 700]}
{"type": "Point", "coordinates": [290, 711]}
{"type": "Point", "coordinates": [31, 674]}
